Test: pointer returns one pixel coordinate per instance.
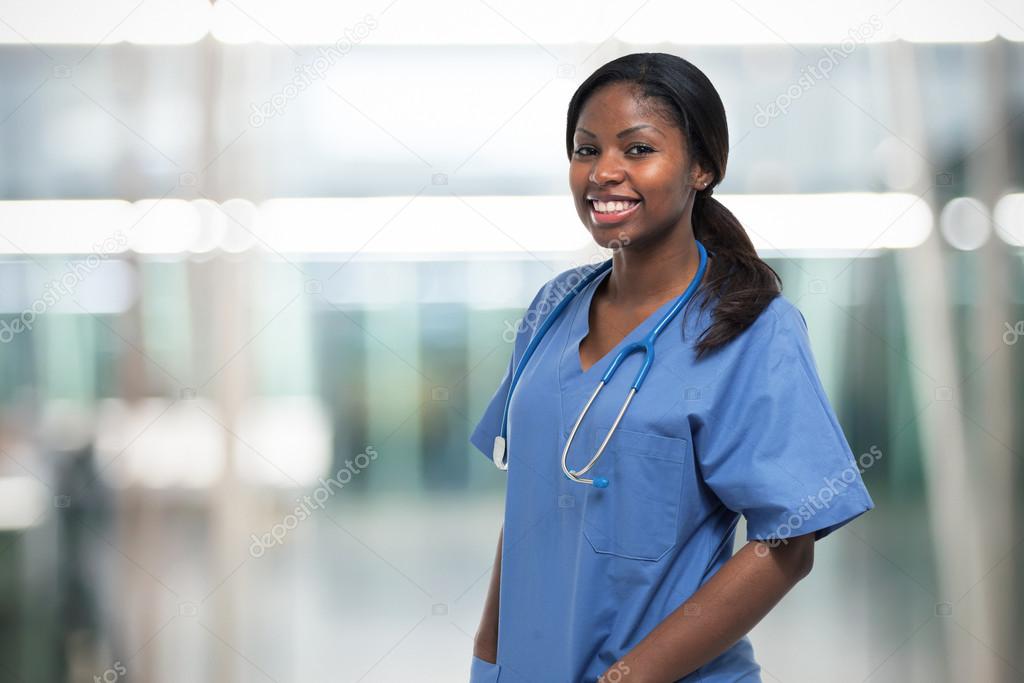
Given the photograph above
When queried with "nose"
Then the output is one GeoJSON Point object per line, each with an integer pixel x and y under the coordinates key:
{"type": "Point", "coordinates": [606, 169]}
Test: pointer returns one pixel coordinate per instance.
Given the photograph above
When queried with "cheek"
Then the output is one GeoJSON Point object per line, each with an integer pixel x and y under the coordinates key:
{"type": "Point", "coordinates": [578, 182]}
{"type": "Point", "coordinates": [578, 174]}
{"type": "Point", "coordinates": [662, 187]}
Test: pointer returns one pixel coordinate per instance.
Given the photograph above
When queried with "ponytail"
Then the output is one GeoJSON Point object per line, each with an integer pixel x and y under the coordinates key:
{"type": "Point", "coordinates": [741, 284]}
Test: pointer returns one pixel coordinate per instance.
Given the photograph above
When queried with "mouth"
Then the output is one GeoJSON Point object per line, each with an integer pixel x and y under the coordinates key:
{"type": "Point", "coordinates": [617, 211]}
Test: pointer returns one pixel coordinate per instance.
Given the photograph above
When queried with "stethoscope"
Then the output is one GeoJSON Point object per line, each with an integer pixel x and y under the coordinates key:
{"type": "Point", "coordinates": [500, 453]}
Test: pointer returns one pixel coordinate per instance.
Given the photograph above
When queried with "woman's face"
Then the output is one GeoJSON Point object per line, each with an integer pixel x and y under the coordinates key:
{"type": "Point", "coordinates": [623, 148]}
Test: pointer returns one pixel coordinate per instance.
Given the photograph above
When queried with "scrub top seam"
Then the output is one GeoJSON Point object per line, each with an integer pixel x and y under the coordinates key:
{"type": "Point", "coordinates": [577, 306]}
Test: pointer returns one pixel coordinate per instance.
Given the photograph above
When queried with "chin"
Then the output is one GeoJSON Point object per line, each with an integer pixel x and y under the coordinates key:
{"type": "Point", "coordinates": [609, 238]}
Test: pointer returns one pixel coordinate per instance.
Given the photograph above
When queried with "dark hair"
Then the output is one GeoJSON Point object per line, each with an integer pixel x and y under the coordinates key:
{"type": "Point", "coordinates": [741, 282]}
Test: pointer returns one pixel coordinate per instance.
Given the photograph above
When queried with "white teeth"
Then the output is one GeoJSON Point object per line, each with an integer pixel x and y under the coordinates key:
{"type": "Point", "coordinates": [612, 207]}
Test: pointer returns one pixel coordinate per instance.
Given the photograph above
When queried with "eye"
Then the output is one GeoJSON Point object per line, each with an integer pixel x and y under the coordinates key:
{"type": "Point", "coordinates": [585, 151]}
{"type": "Point", "coordinates": [641, 145]}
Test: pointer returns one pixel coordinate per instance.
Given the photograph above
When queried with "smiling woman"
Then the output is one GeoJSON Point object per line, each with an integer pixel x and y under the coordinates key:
{"type": "Point", "coordinates": [628, 576]}
{"type": "Point", "coordinates": [648, 146]}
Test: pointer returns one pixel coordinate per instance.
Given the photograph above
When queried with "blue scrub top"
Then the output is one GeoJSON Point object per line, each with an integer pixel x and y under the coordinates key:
{"type": "Point", "coordinates": [587, 573]}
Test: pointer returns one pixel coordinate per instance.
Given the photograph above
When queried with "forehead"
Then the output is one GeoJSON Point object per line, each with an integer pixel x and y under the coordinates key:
{"type": "Point", "coordinates": [619, 106]}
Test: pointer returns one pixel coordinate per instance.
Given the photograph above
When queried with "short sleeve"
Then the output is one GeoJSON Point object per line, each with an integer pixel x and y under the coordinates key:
{"type": "Point", "coordinates": [771, 447]}
{"type": "Point", "coordinates": [490, 423]}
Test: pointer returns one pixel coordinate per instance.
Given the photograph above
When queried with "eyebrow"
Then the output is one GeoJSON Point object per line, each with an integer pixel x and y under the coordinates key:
{"type": "Point", "coordinates": [622, 133]}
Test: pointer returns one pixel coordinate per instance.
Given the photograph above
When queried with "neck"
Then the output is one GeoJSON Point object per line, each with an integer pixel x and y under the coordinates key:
{"type": "Point", "coordinates": [646, 279]}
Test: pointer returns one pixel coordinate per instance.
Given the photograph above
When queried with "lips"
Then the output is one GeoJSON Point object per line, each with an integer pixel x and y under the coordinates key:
{"type": "Point", "coordinates": [612, 211]}
{"type": "Point", "coordinates": [612, 206]}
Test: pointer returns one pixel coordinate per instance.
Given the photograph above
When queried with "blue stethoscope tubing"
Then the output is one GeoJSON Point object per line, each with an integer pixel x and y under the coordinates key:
{"type": "Point", "coordinates": [500, 452]}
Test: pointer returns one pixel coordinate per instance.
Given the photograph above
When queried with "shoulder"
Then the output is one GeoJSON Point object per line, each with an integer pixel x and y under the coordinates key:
{"type": "Point", "coordinates": [548, 296]}
{"type": "Point", "coordinates": [558, 287]}
{"type": "Point", "coordinates": [772, 357]}
{"type": "Point", "coordinates": [779, 315]}
{"type": "Point", "coordinates": [779, 329]}
{"type": "Point", "coordinates": [788, 318]}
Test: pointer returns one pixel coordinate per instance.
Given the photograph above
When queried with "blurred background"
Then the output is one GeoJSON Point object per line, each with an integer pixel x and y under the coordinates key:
{"type": "Point", "coordinates": [260, 265]}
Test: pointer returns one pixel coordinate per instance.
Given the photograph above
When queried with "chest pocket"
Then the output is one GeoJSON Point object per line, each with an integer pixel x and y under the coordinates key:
{"type": "Point", "coordinates": [637, 515]}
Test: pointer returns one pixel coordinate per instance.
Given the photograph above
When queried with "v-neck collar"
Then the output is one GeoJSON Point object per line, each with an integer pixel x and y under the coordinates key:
{"type": "Point", "coordinates": [580, 328]}
{"type": "Point", "coordinates": [575, 384]}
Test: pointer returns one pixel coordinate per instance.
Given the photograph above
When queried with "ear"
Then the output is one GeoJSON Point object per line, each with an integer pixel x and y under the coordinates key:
{"type": "Point", "coordinates": [700, 178]}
